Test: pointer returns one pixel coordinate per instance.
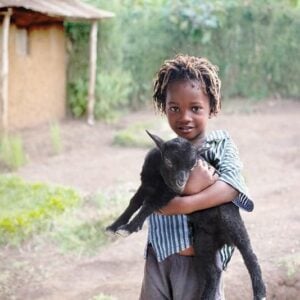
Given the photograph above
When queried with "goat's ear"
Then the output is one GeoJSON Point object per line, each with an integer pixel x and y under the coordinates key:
{"type": "Point", "coordinates": [202, 150]}
{"type": "Point", "coordinates": [157, 140]}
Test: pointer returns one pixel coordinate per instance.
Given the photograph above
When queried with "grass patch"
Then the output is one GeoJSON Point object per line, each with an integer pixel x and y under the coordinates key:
{"type": "Point", "coordinates": [11, 152]}
{"type": "Point", "coordinates": [103, 297]}
{"type": "Point", "coordinates": [28, 208]}
{"type": "Point", "coordinates": [56, 140]}
{"type": "Point", "coordinates": [136, 136]}
{"type": "Point", "coordinates": [83, 231]}
{"type": "Point", "coordinates": [291, 264]}
{"type": "Point", "coordinates": [58, 214]}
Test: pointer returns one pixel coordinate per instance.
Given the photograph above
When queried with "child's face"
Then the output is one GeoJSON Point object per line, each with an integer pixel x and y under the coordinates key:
{"type": "Point", "coordinates": [187, 109]}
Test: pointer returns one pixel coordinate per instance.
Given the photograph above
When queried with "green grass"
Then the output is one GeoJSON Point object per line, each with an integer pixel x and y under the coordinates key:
{"type": "Point", "coordinates": [11, 152]}
{"type": "Point", "coordinates": [28, 208]}
{"type": "Point", "coordinates": [291, 264]}
{"type": "Point", "coordinates": [58, 215]}
{"type": "Point", "coordinates": [56, 139]}
{"type": "Point", "coordinates": [136, 136]}
{"type": "Point", "coordinates": [103, 297]}
{"type": "Point", "coordinates": [83, 231]}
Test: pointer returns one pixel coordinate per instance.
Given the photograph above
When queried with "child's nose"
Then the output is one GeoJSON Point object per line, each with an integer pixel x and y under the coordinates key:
{"type": "Point", "coordinates": [185, 116]}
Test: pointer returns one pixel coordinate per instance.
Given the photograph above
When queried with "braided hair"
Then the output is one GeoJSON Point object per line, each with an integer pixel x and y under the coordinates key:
{"type": "Point", "coordinates": [188, 68]}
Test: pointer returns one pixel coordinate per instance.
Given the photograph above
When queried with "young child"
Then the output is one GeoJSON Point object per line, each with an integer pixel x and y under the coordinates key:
{"type": "Point", "coordinates": [187, 91]}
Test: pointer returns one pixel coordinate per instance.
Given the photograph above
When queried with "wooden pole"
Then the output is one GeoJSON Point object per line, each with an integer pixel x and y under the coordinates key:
{"type": "Point", "coordinates": [92, 72]}
{"type": "Point", "coordinates": [4, 70]}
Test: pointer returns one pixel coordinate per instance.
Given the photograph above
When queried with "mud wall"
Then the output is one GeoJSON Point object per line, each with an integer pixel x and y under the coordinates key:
{"type": "Point", "coordinates": [37, 79]}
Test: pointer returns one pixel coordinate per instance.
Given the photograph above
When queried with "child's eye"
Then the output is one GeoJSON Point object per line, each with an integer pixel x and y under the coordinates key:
{"type": "Point", "coordinates": [196, 109]}
{"type": "Point", "coordinates": [174, 109]}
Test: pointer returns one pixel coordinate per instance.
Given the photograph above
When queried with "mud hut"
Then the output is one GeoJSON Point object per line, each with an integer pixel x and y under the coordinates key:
{"type": "Point", "coordinates": [33, 59]}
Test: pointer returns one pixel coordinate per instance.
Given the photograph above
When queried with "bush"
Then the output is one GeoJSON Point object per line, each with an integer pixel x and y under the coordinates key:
{"type": "Point", "coordinates": [77, 95]}
{"type": "Point", "coordinates": [112, 92]}
{"type": "Point", "coordinates": [254, 43]}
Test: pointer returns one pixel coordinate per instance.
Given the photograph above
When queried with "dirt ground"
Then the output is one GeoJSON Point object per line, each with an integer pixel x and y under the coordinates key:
{"type": "Point", "coordinates": [268, 136]}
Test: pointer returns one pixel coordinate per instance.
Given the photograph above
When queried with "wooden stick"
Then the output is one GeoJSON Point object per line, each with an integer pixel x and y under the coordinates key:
{"type": "Point", "coordinates": [4, 70]}
{"type": "Point", "coordinates": [92, 72]}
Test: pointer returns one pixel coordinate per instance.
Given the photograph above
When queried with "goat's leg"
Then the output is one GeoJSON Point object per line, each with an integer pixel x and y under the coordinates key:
{"type": "Point", "coordinates": [134, 204]}
{"type": "Point", "coordinates": [137, 222]}
{"type": "Point", "coordinates": [209, 273]}
{"type": "Point", "coordinates": [240, 238]}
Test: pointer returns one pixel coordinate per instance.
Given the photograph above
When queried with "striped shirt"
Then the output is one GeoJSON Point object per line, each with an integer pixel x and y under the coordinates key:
{"type": "Point", "coordinates": [172, 234]}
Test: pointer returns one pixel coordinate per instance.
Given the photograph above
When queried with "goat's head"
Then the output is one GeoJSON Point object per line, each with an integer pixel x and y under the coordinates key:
{"type": "Point", "coordinates": [179, 156]}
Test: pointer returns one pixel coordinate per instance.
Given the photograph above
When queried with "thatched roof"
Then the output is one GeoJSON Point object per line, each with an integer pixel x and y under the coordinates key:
{"type": "Point", "coordinates": [69, 9]}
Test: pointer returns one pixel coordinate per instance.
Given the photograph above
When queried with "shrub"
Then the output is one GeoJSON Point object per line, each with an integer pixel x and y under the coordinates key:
{"type": "Point", "coordinates": [254, 43]}
{"type": "Point", "coordinates": [77, 95]}
{"type": "Point", "coordinates": [112, 92]}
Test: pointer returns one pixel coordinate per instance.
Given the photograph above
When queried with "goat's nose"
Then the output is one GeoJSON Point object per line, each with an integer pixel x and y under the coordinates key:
{"type": "Point", "coordinates": [181, 178]}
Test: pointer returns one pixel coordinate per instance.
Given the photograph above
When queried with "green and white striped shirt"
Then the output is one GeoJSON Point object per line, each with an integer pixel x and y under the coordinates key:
{"type": "Point", "coordinates": [171, 234]}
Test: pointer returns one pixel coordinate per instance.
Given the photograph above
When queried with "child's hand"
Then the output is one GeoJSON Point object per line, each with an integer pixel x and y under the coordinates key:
{"type": "Point", "coordinates": [200, 178]}
{"type": "Point", "coordinates": [175, 207]}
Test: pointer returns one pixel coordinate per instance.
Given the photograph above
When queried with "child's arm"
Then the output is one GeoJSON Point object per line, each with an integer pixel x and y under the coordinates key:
{"type": "Point", "coordinates": [229, 186]}
{"type": "Point", "coordinates": [215, 194]}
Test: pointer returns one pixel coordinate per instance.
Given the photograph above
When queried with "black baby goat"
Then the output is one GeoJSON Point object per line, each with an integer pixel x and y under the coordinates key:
{"type": "Point", "coordinates": [165, 172]}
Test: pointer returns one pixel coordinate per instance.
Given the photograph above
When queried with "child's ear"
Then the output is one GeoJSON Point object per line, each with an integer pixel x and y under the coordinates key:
{"type": "Point", "coordinates": [157, 140]}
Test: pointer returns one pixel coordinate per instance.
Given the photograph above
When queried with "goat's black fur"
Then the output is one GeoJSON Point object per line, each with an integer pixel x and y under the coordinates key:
{"type": "Point", "coordinates": [164, 175]}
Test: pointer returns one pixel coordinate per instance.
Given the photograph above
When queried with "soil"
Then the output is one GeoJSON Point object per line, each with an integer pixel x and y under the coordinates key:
{"type": "Point", "coordinates": [268, 136]}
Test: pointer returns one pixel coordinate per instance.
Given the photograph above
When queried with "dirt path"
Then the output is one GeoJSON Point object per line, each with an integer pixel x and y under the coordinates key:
{"type": "Point", "coordinates": [268, 136]}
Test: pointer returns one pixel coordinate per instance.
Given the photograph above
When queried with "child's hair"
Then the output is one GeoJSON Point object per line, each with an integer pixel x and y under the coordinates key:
{"type": "Point", "coordinates": [187, 68]}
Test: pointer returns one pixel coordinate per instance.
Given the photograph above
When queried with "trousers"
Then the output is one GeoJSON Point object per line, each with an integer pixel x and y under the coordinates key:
{"type": "Point", "coordinates": [175, 278]}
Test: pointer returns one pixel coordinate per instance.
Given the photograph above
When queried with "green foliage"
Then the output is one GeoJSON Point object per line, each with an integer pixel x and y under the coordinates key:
{"type": "Point", "coordinates": [12, 152]}
{"type": "Point", "coordinates": [56, 139]}
{"type": "Point", "coordinates": [112, 94]}
{"type": "Point", "coordinates": [77, 96]}
{"type": "Point", "coordinates": [27, 208]}
{"type": "Point", "coordinates": [255, 44]}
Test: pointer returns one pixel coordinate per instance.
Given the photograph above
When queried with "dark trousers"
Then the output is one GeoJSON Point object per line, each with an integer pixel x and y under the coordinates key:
{"type": "Point", "coordinates": [174, 278]}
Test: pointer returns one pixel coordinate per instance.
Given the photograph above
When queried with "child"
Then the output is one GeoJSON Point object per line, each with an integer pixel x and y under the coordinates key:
{"type": "Point", "coordinates": [187, 91]}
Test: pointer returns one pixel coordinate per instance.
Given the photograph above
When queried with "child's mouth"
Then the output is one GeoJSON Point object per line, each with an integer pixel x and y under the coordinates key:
{"type": "Point", "coordinates": [185, 129]}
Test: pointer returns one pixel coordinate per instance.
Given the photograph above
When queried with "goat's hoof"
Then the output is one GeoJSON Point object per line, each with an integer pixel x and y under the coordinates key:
{"type": "Point", "coordinates": [110, 231]}
{"type": "Point", "coordinates": [123, 232]}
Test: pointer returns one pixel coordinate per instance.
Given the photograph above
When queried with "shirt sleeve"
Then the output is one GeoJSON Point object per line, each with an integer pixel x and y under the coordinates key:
{"type": "Point", "coordinates": [229, 168]}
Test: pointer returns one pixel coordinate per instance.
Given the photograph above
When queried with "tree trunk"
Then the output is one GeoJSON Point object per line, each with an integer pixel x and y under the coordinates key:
{"type": "Point", "coordinates": [4, 70]}
{"type": "Point", "coordinates": [92, 72]}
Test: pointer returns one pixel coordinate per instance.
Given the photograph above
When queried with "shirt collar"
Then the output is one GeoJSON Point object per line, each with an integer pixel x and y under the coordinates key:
{"type": "Point", "coordinates": [217, 135]}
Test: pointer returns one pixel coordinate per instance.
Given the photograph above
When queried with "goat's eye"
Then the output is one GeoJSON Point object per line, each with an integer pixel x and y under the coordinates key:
{"type": "Point", "coordinates": [168, 163]}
